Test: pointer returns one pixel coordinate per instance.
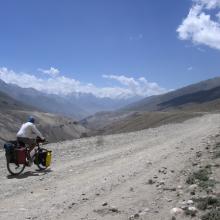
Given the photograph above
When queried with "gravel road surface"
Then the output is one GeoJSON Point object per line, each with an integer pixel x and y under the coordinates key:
{"type": "Point", "coordinates": [110, 177]}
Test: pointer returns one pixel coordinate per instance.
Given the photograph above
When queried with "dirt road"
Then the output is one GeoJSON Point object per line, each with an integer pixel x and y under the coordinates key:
{"type": "Point", "coordinates": [109, 177]}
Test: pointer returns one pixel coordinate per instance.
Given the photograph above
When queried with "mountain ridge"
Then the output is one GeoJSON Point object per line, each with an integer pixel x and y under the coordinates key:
{"type": "Point", "coordinates": [190, 101]}
{"type": "Point", "coordinates": [153, 103]}
{"type": "Point", "coordinates": [76, 106]}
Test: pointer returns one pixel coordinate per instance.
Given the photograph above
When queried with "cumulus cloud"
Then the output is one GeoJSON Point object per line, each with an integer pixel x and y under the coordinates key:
{"type": "Point", "coordinates": [199, 26]}
{"type": "Point", "coordinates": [208, 4]}
{"type": "Point", "coordinates": [139, 87]}
{"type": "Point", "coordinates": [62, 85]}
{"type": "Point", "coordinates": [122, 79]}
{"type": "Point", "coordinates": [53, 72]}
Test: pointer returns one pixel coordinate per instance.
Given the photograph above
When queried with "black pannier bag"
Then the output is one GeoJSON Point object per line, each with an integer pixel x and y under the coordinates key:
{"type": "Point", "coordinates": [10, 151]}
{"type": "Point", "coordinates": [41, 158]}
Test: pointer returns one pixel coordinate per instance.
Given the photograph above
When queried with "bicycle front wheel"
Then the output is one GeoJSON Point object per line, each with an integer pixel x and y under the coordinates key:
{"type": "Point", "coordinates": [41, 160]}
{"type": "Point", "coordinates": [41, 167]}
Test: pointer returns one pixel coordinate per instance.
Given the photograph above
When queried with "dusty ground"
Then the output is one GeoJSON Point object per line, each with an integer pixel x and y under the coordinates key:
{"type": "Point", "coordinates": [108, 177]}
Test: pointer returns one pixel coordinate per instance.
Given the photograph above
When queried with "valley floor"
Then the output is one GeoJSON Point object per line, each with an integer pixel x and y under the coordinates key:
{"type": "Point", "coordinates": [138, 175]}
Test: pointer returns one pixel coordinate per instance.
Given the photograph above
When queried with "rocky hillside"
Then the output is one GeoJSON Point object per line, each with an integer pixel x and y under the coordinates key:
{"type": "Point", "coordinates": [7, 103]}
{"type": "Point", "coordinates": [120, 122]}
{"type": "Point", "coordinates": [197, 96]}
{"type": "Point", "coordinates": [154, 111]}
{"type": "Point", "coordinates": [55, 128]}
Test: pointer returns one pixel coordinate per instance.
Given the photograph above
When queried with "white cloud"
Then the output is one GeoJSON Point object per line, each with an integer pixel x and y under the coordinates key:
{"type": "Point", "coordinates": [53, 72]}
{"type": "Point", "coordinates": [208, 4]}
{"type": "Point", "coordinates": [139, 87]}
{"type": "Point", "coordinates": [61, 85]}
{"type": "Point", "coordinates": [199, 26]}
{"type": "Point", "coordinates": [122, 79]}
{"type": "Point", "coordinates": [189, 68]}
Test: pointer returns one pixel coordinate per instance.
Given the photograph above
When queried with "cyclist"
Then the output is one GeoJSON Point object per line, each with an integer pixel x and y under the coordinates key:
{"type": "Point", "coordinates": [28, 133]}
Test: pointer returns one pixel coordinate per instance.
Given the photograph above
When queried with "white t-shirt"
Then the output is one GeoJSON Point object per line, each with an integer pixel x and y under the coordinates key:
{"type": "Point", "coordinates": [29, 130]}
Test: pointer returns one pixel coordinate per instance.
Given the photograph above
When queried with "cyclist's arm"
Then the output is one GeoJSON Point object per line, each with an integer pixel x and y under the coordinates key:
{"type": "Point", "coordinates": [37, 132]}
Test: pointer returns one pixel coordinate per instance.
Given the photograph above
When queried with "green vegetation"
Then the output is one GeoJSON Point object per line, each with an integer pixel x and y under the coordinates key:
{"type": "Point", "coordinates": [207, 202]}
{"type": "Point", "coordinates": [201, 175]}
{"type": "Point", "coordinates": [217, 145]}
{"type": "Point", "coordinates": [190, 213]}
{"type": "Point", "coordinates": [210, 204]}
{"type": "Point", "coordinates": [191, 179]}
{"type": "Point", "coordinates": [217, 154]}
{"type": "Point", "coordinates": [207, 184]}
{"type": "Point", "coordinates": [212, 215]}
{"type": "Point", "coordinates": [204, 203]}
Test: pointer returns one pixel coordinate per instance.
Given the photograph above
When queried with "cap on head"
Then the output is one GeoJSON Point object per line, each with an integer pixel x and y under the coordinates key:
{"type": "Point", "coordinates": [31, 119]}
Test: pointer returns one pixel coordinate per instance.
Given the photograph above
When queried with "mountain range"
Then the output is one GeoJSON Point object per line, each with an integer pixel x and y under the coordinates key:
{"type": "Point", "coordinates": [174, 106]}
{"type": "Point", "coordinates": [197, 95]}
{"type": "Point", "coordinates": [74, 116]}
{"type": "Point", "coordinates": [76, 106]}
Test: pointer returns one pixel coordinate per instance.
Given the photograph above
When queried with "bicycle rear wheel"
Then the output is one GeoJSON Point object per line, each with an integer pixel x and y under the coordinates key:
{"type": "Point", "coordinates": [15, 169]}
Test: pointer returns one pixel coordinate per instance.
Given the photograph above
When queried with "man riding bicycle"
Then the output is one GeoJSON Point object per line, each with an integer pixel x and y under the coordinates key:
{"type": "Point", "coordinates": [27, 149]}
{"type": "Point", "coordinates": [28, 133]}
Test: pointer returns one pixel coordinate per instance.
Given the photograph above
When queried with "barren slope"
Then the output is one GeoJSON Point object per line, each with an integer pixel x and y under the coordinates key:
{"type": "Point", "coordinates": [54, 127]}
{"type": "Point", "coordinates": [119, 122]}
{"type": "Point", "coordinates": [107, 177]}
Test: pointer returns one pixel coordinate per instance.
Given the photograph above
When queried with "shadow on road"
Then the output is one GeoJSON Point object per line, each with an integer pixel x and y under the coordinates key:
{"type": "Point", "coordinates": [30, 174]}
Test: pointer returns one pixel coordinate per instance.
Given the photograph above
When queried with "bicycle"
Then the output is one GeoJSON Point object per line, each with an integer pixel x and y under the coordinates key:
{"type": "Point", "coordinates": [41, 158]}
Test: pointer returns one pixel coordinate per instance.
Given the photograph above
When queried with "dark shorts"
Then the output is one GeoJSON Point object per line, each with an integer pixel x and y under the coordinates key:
{"type": "Point", "coordinates": [29, 141]}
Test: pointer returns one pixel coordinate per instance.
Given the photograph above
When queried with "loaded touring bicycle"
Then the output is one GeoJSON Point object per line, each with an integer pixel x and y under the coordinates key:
{"type": "Point", "coordinates": [18, 156]}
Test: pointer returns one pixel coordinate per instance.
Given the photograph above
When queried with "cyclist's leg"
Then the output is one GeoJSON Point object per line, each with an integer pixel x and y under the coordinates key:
{"type": "Point", "coordinates": [21, 141]}
{"type": "Point", "coordinates": [32, 145]}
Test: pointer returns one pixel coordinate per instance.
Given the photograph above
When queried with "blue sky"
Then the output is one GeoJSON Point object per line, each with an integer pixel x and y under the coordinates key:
{"type": "Point", "coordinates": [107, 44]}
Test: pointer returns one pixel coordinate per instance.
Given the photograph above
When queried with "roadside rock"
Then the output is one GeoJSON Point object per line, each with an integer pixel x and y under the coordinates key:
{"type": "Point", "coordinates": [114, 209]}
{"type": "Point", "coordinates": [150, 181]}
{"type": "Point", "coordinates": [192, 211]}
{"type": "Point", "coordinates": [176, 212]}
{"type": "Point", "coordinates": [190, 202]}
{"type": "Point", "coordinates": [192, 187]}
